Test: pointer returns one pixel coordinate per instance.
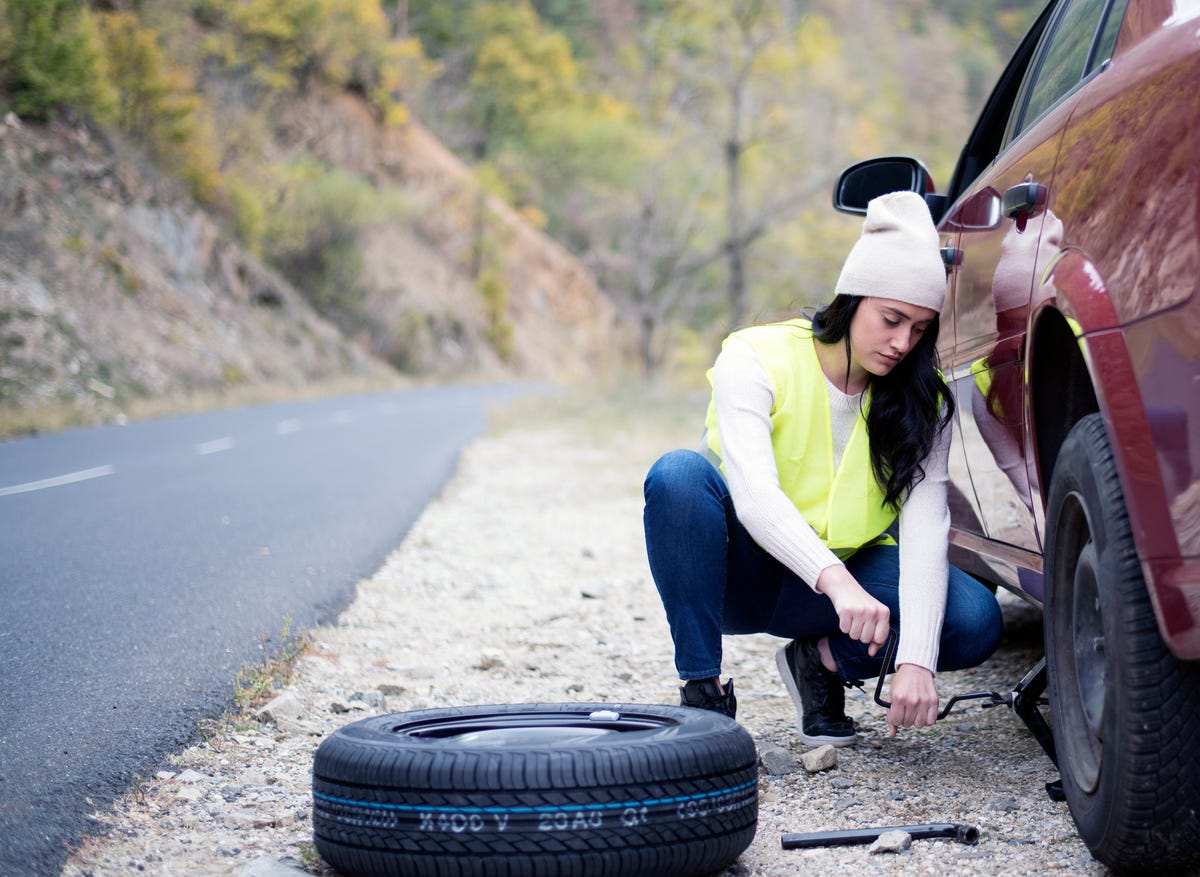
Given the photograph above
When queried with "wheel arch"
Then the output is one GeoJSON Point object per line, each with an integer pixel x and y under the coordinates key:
{"type": "Point", "coordinates": [1078, 363]}
{"type": "Point", "coordinates": [1060, 385]}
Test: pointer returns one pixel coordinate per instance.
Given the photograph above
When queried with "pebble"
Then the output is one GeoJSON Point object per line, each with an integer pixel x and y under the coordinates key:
{"type": "Point", "coordinates": [820, 759]}
{"type": "Point", "coordinates": [775, 760]}
{"type": "Point", "coordinates": [286, 706]}
{"type": "Point", "coordinates": [891, 842]}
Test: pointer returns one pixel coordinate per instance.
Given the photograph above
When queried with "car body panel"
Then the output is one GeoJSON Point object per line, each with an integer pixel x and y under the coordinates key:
{"type": "Point", "coordinates": [1129, 168]}
{"type": "Point", "coordinates": [989, 299]}
{"type": "Point", "coordinates": [1085, 299]}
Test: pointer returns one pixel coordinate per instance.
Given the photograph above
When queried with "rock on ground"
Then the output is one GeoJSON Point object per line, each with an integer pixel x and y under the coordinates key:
{"type": "Point", "coordinates": [527, 581]}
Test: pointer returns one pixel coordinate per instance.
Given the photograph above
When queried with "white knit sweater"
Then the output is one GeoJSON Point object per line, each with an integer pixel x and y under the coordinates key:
{"type": "Point", "coordinates": [743, 397]}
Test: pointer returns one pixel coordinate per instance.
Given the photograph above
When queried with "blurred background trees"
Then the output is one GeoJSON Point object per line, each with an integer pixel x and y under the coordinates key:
{"type": "Point", "coordinates": [683, 149]}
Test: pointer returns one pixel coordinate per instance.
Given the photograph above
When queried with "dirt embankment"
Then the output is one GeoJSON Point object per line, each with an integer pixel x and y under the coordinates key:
{"type": "Point", "coordinates": [116, 289]}
{"type": "Point", "coordinates": [561, 322]}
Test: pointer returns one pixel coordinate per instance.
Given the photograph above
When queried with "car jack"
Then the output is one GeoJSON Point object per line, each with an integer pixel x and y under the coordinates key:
{"type": "Point", "coordinates": [1025, 700]}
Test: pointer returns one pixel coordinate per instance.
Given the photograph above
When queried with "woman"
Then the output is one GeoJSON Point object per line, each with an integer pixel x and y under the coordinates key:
{"type": "Point", "coordinates": [818, 435]}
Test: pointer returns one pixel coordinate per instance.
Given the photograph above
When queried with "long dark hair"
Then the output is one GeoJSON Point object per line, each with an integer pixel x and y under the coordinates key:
{"type": "Point", "coordinates": [909, 405]}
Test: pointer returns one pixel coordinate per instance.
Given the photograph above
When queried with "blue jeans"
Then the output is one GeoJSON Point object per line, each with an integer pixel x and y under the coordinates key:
{"type": "Point", "coordinates": [714, 579]}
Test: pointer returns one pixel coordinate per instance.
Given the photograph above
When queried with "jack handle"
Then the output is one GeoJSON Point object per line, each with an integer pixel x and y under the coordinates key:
{"type": "Point", "coordinates": [994, 698]}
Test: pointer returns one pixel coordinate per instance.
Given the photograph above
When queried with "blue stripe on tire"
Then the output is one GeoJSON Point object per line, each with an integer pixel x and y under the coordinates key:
{"type": "Point", "coordinates": [572, 808]}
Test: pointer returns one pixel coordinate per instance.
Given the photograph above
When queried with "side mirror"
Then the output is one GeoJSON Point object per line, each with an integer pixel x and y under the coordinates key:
{"type": "Point", "coordinates": [980, 212]}
{"type": "Point", "coordinates": [861, 182]}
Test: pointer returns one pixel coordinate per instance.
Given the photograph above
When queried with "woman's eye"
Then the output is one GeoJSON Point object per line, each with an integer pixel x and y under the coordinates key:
{"type": "Point", "coordinates": [891, 322]}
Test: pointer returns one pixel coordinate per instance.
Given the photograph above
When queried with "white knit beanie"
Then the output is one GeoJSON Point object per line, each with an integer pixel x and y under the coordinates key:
{"type": "Point", "coordinates": [898, 255]}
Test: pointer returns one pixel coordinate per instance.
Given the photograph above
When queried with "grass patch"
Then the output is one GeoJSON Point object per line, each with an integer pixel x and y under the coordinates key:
{"type": "Point", "coordinates": [256, 683]}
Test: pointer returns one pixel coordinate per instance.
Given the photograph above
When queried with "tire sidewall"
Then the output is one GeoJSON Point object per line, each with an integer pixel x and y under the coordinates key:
{"type": "Point", "coordinates": [672, 790]}
{"type": "Point", "coordinates": [403, 760]}
{"type": "Point", "coordinates": [1086, 473]}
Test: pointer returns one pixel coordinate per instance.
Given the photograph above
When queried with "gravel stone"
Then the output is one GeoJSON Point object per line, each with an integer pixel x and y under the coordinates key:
{"type": "Point", "coordinates": [285, 706]}
{"type": "Point", "coordinates": [543, 507]}
{"type": "Point", "coordinates": [819, 759]}
{"type": "Point", "coordinates": [775, 760]}
{"type": "Point", "coordinates": [891, 842]}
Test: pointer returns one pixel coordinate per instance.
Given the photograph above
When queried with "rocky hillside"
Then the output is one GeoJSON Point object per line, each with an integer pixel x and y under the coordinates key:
{"type": "Point", "coordinates": [115, 288]}
{"type": "Point", "coordinates": [421, 286]}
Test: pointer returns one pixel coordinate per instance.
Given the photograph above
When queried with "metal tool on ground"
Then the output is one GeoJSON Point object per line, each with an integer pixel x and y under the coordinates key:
{"type": "Point", "coordinates": [964, 834]}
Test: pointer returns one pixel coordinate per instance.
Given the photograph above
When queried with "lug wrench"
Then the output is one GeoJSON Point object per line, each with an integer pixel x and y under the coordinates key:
{"type": "Point", "coordinates": [994, 698]}
{"type": "Point", "coordinates": [1025, 700]}
{"type": "Point", "coordinates": [964, 834]}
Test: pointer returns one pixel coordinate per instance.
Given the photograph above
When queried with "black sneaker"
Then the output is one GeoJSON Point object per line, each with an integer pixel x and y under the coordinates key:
{"type": "Point", "coordinates": [820, 696]}
{"type": "Point", "coordinates": [703, 694]}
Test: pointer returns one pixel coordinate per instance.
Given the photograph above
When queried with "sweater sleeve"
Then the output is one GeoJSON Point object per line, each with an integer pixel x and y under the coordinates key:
{"type": "Point", "coordinates": [743, 397]}
{"type": "Point", "coordinates": [924, 568]}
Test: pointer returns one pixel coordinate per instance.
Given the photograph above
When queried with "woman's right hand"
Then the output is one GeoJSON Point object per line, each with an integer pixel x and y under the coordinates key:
{"type": "Point", "coordinates": [860, 615]}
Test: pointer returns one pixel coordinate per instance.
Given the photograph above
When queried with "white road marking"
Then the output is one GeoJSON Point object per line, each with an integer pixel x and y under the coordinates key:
{"type": "Point", "coordinates": [59, 480]}
{"type": "Point", "coordinates": [215, 446]}
{"type": "Point", "coordinates": [283, 427]}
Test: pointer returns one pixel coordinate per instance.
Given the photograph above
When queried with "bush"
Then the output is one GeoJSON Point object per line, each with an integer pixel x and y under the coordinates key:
{"type": "Point", "coordinates": [311, 232]}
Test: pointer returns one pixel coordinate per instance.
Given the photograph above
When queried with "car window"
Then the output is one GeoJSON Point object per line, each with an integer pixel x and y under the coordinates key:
{"type": "Point", "coordinates": [1065, 61]}
{"type": "Point", "coordinates": [989, 135]}
{"type": "Point", "coordinates": [1108, 35]}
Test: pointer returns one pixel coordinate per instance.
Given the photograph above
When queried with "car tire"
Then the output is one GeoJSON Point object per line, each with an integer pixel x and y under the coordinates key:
{"type": "Point", "coordinates": [1126, 713]}
{"type": "Point", "coordinates": [536, 789]}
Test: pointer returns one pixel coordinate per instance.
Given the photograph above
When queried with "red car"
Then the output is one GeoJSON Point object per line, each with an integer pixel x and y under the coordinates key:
{"type": "Point", "coordinates": [1071, 337]}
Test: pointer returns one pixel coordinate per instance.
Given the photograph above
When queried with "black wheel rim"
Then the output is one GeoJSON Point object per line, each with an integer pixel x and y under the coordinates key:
{"type": "Point", "coordinates": [1084, 673]}
{"type": "Point", "coordinates": [531, 729]}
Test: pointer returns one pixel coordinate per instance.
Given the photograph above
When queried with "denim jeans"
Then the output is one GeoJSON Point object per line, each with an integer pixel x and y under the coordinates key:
{"type": "Point", "coordinates": [714, 579]}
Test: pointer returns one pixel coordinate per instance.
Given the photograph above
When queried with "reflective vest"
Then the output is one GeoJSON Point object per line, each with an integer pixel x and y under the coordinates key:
{"type": "Point", "coordinates": [844, 506]}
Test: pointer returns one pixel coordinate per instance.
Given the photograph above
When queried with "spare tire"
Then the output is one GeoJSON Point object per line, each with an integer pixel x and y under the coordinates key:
{"type": "Point", "coordinates": [587, 790]}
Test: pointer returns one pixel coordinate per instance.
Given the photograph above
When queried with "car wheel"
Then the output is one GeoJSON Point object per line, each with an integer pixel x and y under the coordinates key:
{"type": "Point", "coordinates": [1126, 713]}
{"type": "Point", "coordinates": [536, 789]}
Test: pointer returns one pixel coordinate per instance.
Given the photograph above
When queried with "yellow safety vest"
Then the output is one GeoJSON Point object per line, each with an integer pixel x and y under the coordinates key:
{"type": "Point", "coordinates": [845, 507]}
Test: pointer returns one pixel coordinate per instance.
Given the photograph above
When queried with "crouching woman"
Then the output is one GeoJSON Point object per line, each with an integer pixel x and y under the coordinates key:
{"type": "Point", "coordinates": [819, 434]}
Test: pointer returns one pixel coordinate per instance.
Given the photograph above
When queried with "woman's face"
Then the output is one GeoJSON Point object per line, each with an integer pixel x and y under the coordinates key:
{"type": "Point", "coordinates": [883, 331]}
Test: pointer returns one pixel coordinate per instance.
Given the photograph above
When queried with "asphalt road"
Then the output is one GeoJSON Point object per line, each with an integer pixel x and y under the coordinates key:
{"type": "Point", "coordinates": [141, 567]}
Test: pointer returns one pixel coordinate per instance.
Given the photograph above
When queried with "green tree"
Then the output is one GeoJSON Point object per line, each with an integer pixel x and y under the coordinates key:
{"type": "Point", "coordinates": [520, 69]}
{"type": "Point", "coordinates": [49, 58]}
{"type": "Point", "coordinates": [284, 45]}
{"type": "Point", "coordinates": [438, 24]}
{"type": "Point", "coordinates": [576, 19]}
{"type": "Point", "coordinates": [157, 102]}
{"type": "Point", "coordinates": [747, 88]}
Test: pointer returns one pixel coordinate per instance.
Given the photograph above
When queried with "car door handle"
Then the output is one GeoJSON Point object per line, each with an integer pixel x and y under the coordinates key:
{"type": "Point", "coordinates": [951, 257]}
{"type": "Point", "coordinates": [1023, 201]}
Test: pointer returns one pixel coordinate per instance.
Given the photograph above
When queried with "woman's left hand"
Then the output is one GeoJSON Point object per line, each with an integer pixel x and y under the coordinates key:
{"type": "Point", "coordinates": [914, 699]}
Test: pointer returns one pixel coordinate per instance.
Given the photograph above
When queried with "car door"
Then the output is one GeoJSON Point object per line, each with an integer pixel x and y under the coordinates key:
{"type": "Point", "coordinates": [1006, 237]}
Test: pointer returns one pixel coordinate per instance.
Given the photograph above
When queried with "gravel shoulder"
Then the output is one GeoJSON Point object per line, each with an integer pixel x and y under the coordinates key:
{"type": "Point", "coordinates": [527, 581]}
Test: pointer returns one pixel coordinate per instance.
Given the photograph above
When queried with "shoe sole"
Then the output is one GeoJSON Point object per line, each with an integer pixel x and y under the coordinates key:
{"type": "Point", "coordinates": [789, 682]}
